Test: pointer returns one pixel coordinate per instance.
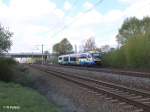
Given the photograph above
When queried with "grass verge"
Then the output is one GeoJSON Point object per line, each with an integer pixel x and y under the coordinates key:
{"type": "Point", "coordinates": [15, 98]}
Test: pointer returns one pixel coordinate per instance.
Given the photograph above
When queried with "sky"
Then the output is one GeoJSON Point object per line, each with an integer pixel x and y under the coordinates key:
{"type": "Point", "coordinates": [47, 22]}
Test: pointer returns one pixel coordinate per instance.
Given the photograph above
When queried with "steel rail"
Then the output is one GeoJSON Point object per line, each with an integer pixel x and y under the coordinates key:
{"type": "Point", "coordinates": [106, 70]}
{"type": "Point", "coordinates": [75, 79]}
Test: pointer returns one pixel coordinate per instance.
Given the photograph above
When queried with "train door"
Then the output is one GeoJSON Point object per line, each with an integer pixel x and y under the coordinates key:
{"type": "Point", "coordinates": [73, 60]}
{"type": "Point", "coordinates": [66, 60]}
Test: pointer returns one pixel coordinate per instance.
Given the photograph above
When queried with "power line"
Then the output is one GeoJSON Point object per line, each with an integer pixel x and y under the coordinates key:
{"type": "Point", "coordinates": [68, 12]}
{"type": "Point", "coordinates": [73, 5]}
{"type": "Point", "coordinates": [68, 25]}
{"type": "Point", "coordinates": [96, 4]}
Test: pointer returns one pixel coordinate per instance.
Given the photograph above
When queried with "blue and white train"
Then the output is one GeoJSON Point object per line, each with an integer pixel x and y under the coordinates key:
{"type": "Point", "coordinates": [89, 58]}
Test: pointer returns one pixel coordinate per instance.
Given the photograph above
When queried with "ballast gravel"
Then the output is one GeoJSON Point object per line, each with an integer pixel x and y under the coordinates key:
{"type": "Point", "coordinates": [70, 97]}
{"type": "Point", "coordinates": [129, 81]}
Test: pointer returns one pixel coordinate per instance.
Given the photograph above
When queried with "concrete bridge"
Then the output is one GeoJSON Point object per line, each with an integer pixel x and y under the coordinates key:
{"type": "Point", "coordinates": [26, 55]}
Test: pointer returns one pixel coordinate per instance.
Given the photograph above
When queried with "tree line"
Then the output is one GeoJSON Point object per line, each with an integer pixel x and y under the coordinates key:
{"type": "Point", "coordinates": [134, 45]}
{"type": "Point", "coordinates": [65, 47]}
{"type": "Point", "coordinates": [133, 49]}
{"type": "Point", "coordinates": [5, 39]}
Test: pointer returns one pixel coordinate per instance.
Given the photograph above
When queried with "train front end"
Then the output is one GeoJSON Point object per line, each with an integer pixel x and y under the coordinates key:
{"type": "Point", "coordinates": [97, 58]}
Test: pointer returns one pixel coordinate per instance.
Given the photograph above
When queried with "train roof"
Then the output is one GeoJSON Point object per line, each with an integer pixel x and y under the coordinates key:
{"type": "Point", "coordinates": [94, 51]}
{"type": "Point", "coordinates": [75, 54]}
{"type": "Point", "coordinates": [68, 55]}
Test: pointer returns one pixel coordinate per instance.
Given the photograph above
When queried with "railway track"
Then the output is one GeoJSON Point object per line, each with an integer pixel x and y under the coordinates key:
{"type": "Point", "coordinates": [106, 70]}
{"type": "Point", "coordinates": [138, 100]}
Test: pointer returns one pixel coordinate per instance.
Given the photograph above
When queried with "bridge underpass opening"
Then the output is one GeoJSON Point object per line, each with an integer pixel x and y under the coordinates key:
{"type": "Point", "coordinates": [29, 57]}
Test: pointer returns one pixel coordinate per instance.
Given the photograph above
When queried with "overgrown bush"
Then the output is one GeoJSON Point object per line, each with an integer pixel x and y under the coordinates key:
{"type": "Point", "coordinates": [10, 71]}
{"type": "Point", "coordinates": [6, 73]}
{"type": "Point", "coordinates": [22, 75]}
{"type": "Point", "coordinates": [134, 54]}
{"type": "Point", "coordinates": [115, 58]}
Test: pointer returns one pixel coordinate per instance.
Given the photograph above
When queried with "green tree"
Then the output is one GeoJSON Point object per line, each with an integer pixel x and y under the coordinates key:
{"type": "Point", "coordinates": [135, 49]}
{"type": "Point", "coordinates": [146, 26]}
{"type": "Point", "coordinates": [133, 27]}
{"type": "Point", "coordinates": [56, 48]}
{"type": "Point", "coordinates": [63, 47]}
{"type": "Point", "coordinates": [130, 28]}
{"type": "Point", "coordinates": [5, 42]}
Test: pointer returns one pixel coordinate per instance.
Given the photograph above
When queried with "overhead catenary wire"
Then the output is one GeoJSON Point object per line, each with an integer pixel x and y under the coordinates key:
{"type": "Point", "coordinates": [68, 12]}
{"type": "Point", "coordinates": [73, 5]}
{"type": "Point", "coordinates": [68, 25]}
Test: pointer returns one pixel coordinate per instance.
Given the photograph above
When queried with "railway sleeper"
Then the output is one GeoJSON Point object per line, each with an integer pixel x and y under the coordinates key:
{"type": "Point", "coordinates": [101, 90]}
{"type": "Point", "coordinates": [130, 95]}
{"type": "Point", "coordinates": [122, 94]}
{"type": "Point", "coordinates": [112, 88]}
{"type": "Point", "coordinates": [138, 110]}
{"type": "Point", "coordinates": [114, 101]}
{"type": "Point", "coordinates": [129, 107]}
{"type": "Point", "coordinates": [136, 97]}
{"type": "Point", "coordinates": [148, 102]}
{"type": "Point", "coordinates": [144, 99]}
{"type": "Point", "coordinates": [109, 98]}
{"type": "Point", "coordinates": [132, 108]}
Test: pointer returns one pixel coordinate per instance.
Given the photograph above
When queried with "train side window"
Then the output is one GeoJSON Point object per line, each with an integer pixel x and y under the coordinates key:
{"type": "Point", "coordinates": [83, 56]}
{"type": "Point", "coordinates": [72, 58]}
{"type": "Point", "coordinates": [60, 58]}
{"type": "Point", "coordinates": [66, 59]}
{"type": "Point", "coordinates": [89, 56]}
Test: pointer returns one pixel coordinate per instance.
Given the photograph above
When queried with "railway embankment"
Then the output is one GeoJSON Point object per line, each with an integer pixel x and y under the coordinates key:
{"type": "Point", "coordinates": [48, 86]}
{"type": "Point", "coordinates": [16, 92]}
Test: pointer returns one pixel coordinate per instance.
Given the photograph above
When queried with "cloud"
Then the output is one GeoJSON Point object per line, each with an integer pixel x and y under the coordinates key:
{"type": "Point", "coordinates": [84, 19]}
{"type": "Point", "coordinates": [88, 5]}
{"type": "Point", "coordinates": [67, 6]}
{"type": "Point", "coordinates": [129, 2]}
{"type": "Point", "coordinates": [104, 27]}
{"type": "Point", "coordinates": [34, 22]}
{"type": "Point", "coordinates": [138, 9]}
{"type": "Point", "coordinates": [31, 21]}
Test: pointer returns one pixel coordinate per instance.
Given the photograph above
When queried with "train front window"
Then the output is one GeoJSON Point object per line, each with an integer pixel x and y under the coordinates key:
{"type": "Point", "coordinates": [96, 55]}
{"type": "Point", "coordinates": [60, 58]}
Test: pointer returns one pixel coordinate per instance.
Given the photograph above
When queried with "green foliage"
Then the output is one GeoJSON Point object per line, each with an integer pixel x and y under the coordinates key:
{"type": "Point", "coordinates": [63, 47]}
{"type": "Point", "coordinates": [6, 65]}
{"type": "Point", "coordinates": [56, 48]}
{"type": "Point", "coordinates": [133, 27]}
{"type": "Point", "coordinates": [5, 41]}
{"type": "Point", "coordinates": [138, 52]}
{"type": "Point", "coordinates": [115, 58]}
{"type": "Point", "coordinates": [26, 99]}
{"type": "Point", "coordinates": [135, 49]}
{"type": "Point", "coordinates": [22, 75]}
{"type": "Point", "coordinates": [134, 54]}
